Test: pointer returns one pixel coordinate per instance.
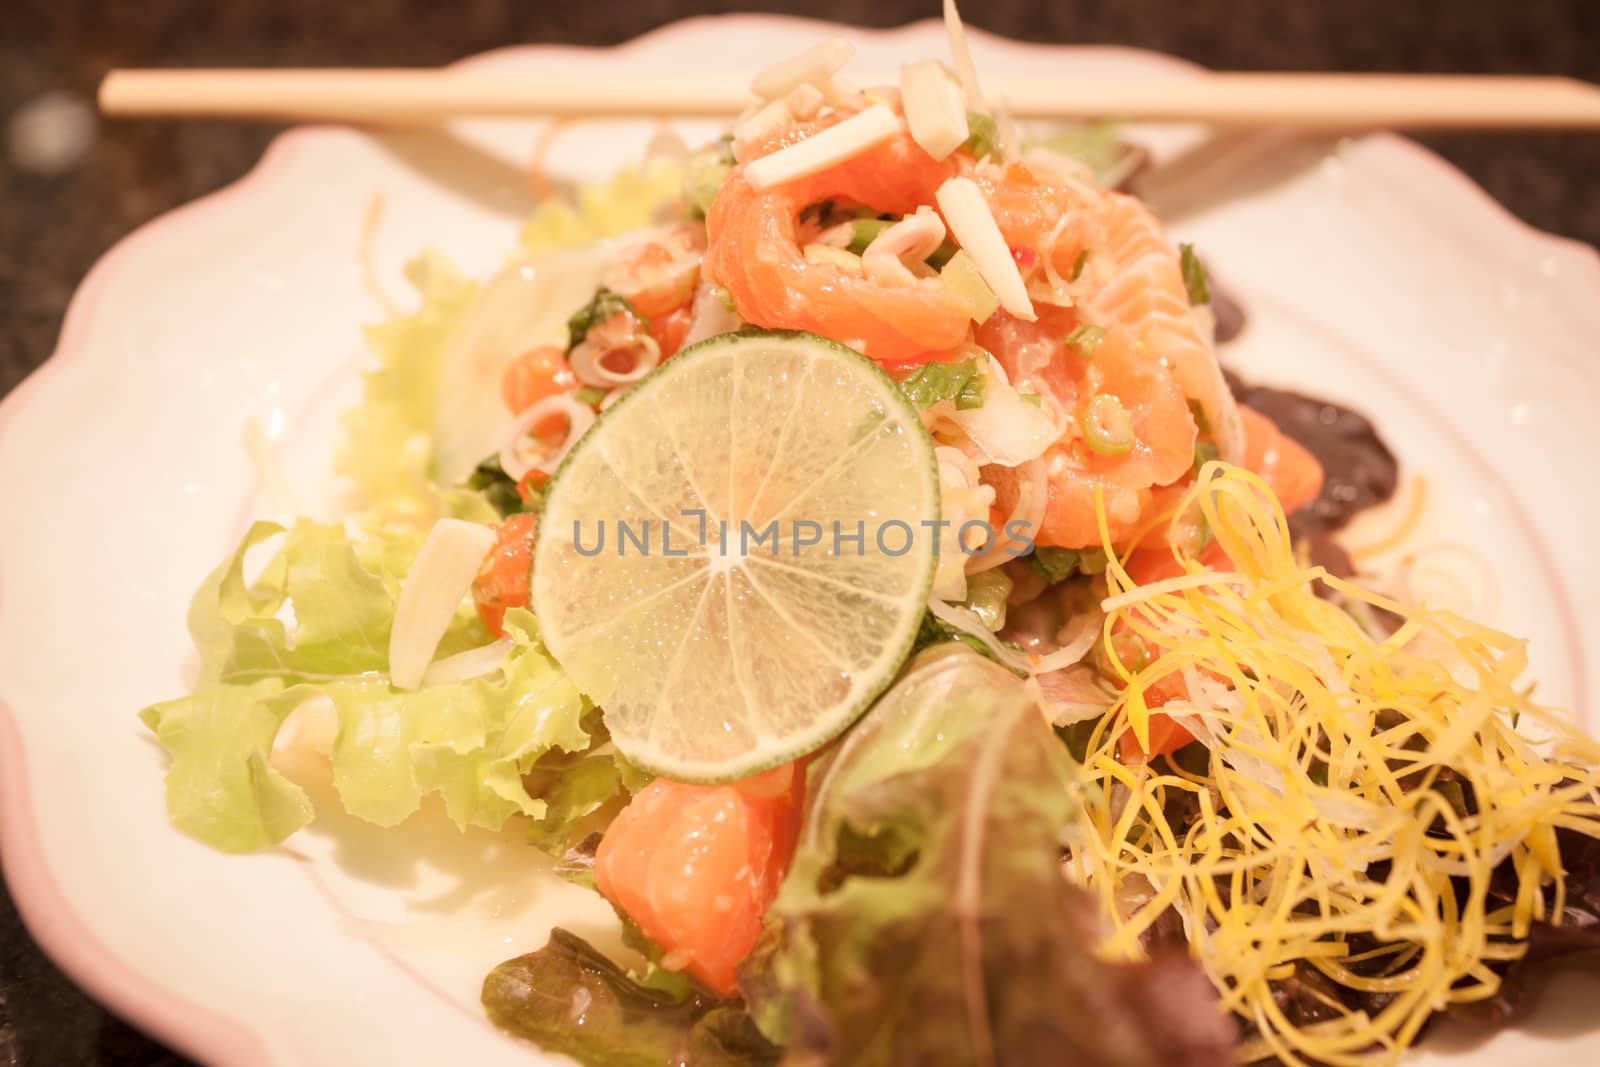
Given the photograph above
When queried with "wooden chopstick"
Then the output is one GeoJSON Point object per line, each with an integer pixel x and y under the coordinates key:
{"type": "Point", "coordinates": [399, 97]}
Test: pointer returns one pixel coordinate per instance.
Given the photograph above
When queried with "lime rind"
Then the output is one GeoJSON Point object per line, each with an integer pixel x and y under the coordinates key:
{"type": "Point", "coordinates": [663, 740]}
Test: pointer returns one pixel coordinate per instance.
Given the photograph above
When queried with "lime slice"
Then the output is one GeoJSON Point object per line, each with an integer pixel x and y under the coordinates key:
{"type": "Point", "coordinates": [718, 654]}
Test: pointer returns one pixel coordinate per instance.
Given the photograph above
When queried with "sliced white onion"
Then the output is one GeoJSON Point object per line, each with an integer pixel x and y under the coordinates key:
{"type": "Point", "coordinates": [825, 149]}
{"type": "Point", "coordinates": [936, 110]}
{"type": "Point", "coordinates": [1033, 493]}
{"type": "Point", "coordinates": [957, 34]}
{"type": "Point", "coordinates": [1077, 638]}
{"type": "Point", "coordinates": [440, 577]}
{"type": "Point", "coordinates": [815, 66]}
{"type": "Point", "coordinates": [756, 123]}
{"type": "Point", "coordinates": [913, 238]}
{"type": "Point", "coordinates": [1073, 694]}
{"type": "Point", "coordinates": [588, 363]}
{"type": "Point", "coordinates": [838, 236]}
{"type": "Point", "coordinates": [465, 666]}
{"type": "Point", "coordinates": [1060, 291]}
{"type": "Point", "coordinates": [525, 305]}
{"type": "Point", "coordinates": [708, 316]}
{"type": "Point", "coordinates": [1005, 428]}
{"type": "Point", "coordinates": [804, 101]}
{"type": "Point", "coordinates": [842, 258]}
{"type": "Point", "coordinates": [963, 498]}
{"type": "Point", "coordinates": [956, 468]}
{"type": "Point", "coordinates": [843, 93]}
{"type": "Point", "coordinates": [976, 230]}
{"type": "Point", "coordinates": [512, 454]}
{"type": "Point", "coordinates": [968, 622]}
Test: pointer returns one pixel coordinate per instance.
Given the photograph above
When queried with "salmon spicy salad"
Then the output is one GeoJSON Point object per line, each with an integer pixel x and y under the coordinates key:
{"type": "Point", "coordinates": [840, 548]}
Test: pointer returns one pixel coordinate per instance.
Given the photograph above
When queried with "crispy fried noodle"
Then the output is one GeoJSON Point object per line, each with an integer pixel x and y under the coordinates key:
{"type": "Point", "coordinates": [1355, 801]}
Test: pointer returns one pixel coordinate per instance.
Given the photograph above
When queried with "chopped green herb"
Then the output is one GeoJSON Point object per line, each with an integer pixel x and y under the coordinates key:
{"type": "Point", "coordinates": [1204, 452]}
{"type": "Point", "coordinates": [1085, 340]}
{"type": "Point", "coordinates": [725, 298]}
{"type": "Point", "coordinates": [498, 487]}
{"type": "Point", "coordinates": [934, 382]}
{"type": "Point", "coordinates": [1032, 398]}
{"type": "Point", "coordinates": [1054, 564]}
{"type": "Point", "coordinates": [1201, 421]}
{"type": "Point", "coordinates": [1078, 265]}
{"type": "Point", "coordinates": [1194, 275]}
{"type": "Point", "coordinates": [971, 395]}
{"type": "Point", "coordinates": [1092, 561]}
{"type": "Point", "coordinates": [604, 305]}
{"type": "Point", "coordinates": [941, 255]}
{"type": "Point", "coordinates": [864, 231]}
{"type": "Point", "coordinates": [983, 135]}
{"type": "Point", "coordinates": [1107, 429]}
{"type": "Point", "coordinates": [589, 395]}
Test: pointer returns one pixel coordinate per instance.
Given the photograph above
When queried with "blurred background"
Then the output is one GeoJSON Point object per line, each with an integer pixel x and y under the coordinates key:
{"type": "Point", "coordinates": [70, 187]}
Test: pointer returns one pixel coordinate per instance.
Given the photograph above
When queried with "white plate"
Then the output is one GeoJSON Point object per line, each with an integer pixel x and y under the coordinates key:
{"type": "Point", "coordinates": [1372, 272]}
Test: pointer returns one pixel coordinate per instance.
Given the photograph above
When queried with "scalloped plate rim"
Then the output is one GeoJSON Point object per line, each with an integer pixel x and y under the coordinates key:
{"type": "Point", "coordinates": [213, 1036]}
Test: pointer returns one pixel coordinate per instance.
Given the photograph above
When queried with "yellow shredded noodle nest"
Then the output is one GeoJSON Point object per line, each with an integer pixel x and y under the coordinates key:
{"type": "Point", "coordinates": [1327, 812]}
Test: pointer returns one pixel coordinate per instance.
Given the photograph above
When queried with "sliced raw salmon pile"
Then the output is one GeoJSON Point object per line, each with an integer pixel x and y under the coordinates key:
{"type": "Point", "coordinates": [754, 252]}
{"type": "Point", "coordinates": [696, 866]}
{"type": "Point", "coordinates": [1157, 360]}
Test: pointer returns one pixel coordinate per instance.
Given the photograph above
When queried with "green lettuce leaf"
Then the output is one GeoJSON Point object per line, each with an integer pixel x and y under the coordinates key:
{"type": "Point", "coordinates": [576, 787]}
{"type": "Point", "coordinates": [570, 999]}
{"type": "Point", "coordinates": [479, 744]}
{"type": "Point", "coordinates": [1099, 147]}
{"type": "Point", "coordinates": [221, 789]}
{"type": "Point", "coordinates": [927, 918]}
{"type": "Point", "coordinates": [636, 197]}
{"type": "Point", "coordinates": [387, 448]}
{"type": "Point", "coordinates": [1194, 275]}
{"type": "Point", "coordinates": [400, 434]}
{"type": "Point", "coordinates": [983, 135]}
{"type": "Point", "coordinates": [603, 306]}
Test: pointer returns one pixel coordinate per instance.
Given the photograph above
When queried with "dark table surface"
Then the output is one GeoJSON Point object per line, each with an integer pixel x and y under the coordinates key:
{"type": "Point", "coordinates": [54, 226]}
